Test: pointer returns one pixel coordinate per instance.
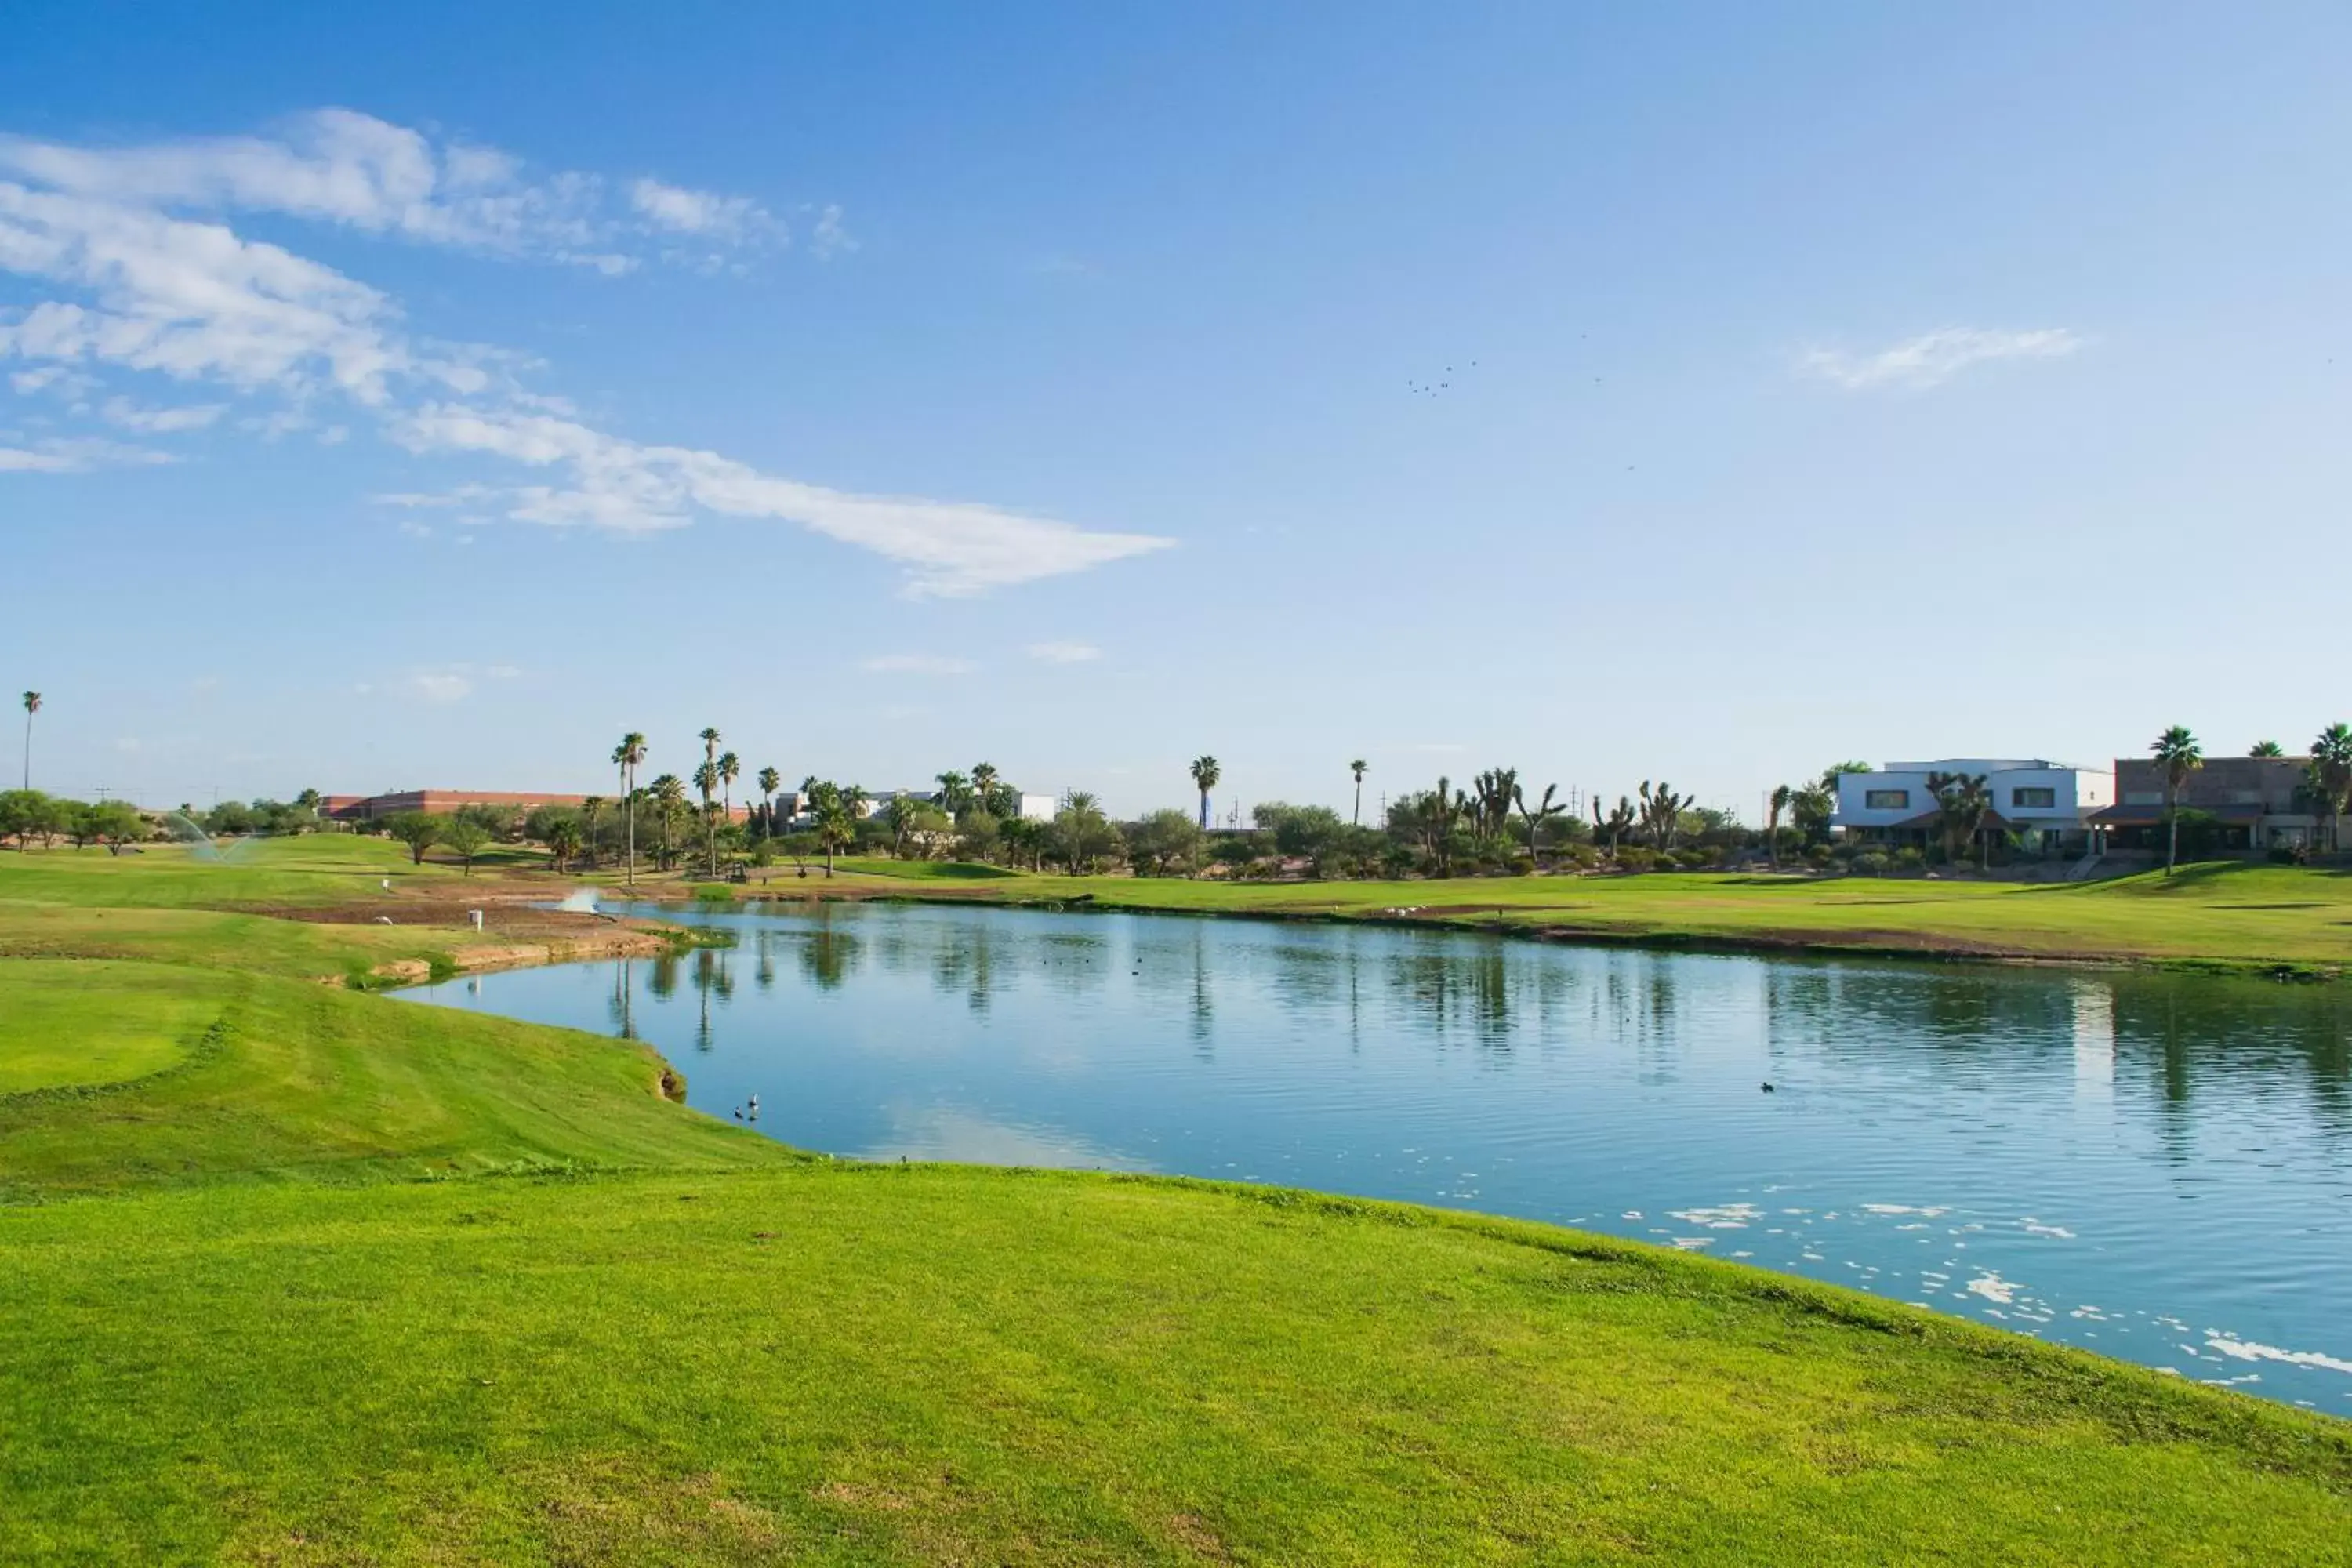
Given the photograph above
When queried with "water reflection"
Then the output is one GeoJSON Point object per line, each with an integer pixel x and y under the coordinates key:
{"type": "Point", "coordinates": [2095, 1157]}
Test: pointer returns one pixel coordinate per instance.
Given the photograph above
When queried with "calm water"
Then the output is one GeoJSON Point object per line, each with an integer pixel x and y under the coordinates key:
{"type": "Point", "coordinates": [2158, 1168]}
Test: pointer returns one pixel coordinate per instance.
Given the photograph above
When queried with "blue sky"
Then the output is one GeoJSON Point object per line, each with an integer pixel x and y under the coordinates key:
{"type": "Point", "coordinates": [424, 398]}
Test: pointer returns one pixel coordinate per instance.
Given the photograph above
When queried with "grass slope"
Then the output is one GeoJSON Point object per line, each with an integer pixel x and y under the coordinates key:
{"type": "Point", "coordinates": [321, 1279]}
{"type": "Point", "coordinates": [944, 1366]}
{"type": "Point", "coordinates": [283, 1081]}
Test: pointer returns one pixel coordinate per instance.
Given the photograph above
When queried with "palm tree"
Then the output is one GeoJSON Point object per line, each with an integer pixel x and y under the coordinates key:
{"type": "Point", "coordinates": [836, 824]}
{"type": "Point", "coordinates": [591, 809]}
{"type": "Point", "coordinates": [729, 769]}
{"type": "Point", "coordinates": [32, 706]}
{"type": "Point", "coordinates": [1359, 768]}
{"type": "Point", "coordinates": [983, 786]}
{"type": "Point", "coordinates": [669, 796]}
{"type": "Point", "coordinates": [2266, 749]}
{"type": "Point", "coordinates": [1961, 802]}
{"type": "Point", "coordinates": [771, 780]}
{"type": "Point", "coordinates": [2178, 753]}
{"type": "Point", "coordinates": [2331, 770]}
{"type": "Point", "coordinates": [710, 738]}
{"type": "Point", "coordinates": [1537, 817]}
{"type": "Point", "coordinates": [1777, 803]}
{"type": "Point", "coordinates": [955, 792]}
{"type": "Point", "coordinates": [1206, 775]}
{"type": "Point", "coordinates": [627, 755]}
{"type": "Point", "coordinates": [563, 839]}
{"type": "Point", "coordinates": [705, 780]}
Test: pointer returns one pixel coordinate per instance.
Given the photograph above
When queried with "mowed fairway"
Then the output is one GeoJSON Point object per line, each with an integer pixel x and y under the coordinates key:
{"type": "Point", "coordinates": [320, 1277]}
{"type": "Point", "coordinates": [2229, 914]}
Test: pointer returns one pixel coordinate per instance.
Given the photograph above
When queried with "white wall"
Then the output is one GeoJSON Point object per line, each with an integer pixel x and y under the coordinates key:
{"type": "Point", "coordinates": [1037, 807]}
{"type": "Point", "coordinates": [2074, 792]}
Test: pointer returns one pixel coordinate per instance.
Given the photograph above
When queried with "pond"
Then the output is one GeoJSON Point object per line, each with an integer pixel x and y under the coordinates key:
{"type": "Point", "coordinates": [2155, 1167]}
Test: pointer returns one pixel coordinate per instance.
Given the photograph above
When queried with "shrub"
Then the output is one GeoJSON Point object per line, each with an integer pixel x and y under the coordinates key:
{"type": "Point", "coordinates": [1633, 859]}
{"type": "Point", "coordinates": [1869, 863]}
{"type": "Point", "coordinates": [1909, 858]}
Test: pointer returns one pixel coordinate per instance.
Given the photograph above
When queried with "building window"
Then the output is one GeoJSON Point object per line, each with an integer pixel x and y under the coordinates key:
{"type": "Point", "coordinates": [2026, 799]}
{"type": "Point", "coordinates": [1886, 799]}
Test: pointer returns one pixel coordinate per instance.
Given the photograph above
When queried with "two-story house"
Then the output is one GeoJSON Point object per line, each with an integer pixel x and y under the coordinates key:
{"type": "Point", "coordinates": [2049, 805]}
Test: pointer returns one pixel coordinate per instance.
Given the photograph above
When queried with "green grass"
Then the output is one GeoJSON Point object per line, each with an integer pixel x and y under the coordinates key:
{"type": "Point", "coordinates": [311, 871]}
{"type": "Point", "coordinates": [78, 1025]}
{"type": "Point", "coordinates": [937, 1364]}
{"type": "Point", "coordinates": [325, 1278]}
{"type": "Point", "coordinates": [2229, 914]}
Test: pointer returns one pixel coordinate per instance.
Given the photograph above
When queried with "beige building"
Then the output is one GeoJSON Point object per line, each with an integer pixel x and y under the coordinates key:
{"type": "Point", "coordinates": [2258, 802]}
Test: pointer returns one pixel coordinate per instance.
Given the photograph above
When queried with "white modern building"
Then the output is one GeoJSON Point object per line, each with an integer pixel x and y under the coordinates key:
{"type": "Point", "coordinates": [2047, 804]}
{"type": "Point", "coordinates": [1038, 808]}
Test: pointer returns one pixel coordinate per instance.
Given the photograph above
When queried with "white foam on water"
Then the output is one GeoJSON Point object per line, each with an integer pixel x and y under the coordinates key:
{"type": "Point", "coordinates": [1725, 1216]}
{"type": "Point", "coordinates": [2035, 1227]}
{"type": "Point", "coordinates": [1992, 1287]}
{"type": "Point", "coordinates": [1930, 1211]}
{"type": "Point", "coordinates": [1692, 1243]}
{"type": "Point", "coordinates": [581, 902]}
{"type": "Point", "coordinates": [2247, 1349]}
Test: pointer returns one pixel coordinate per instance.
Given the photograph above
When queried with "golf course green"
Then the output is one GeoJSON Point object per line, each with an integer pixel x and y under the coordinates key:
{"type": "Point", "coordinates": [290, 1273]}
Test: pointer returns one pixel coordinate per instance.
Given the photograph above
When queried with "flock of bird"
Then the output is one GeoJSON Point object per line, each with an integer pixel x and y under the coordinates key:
{"type": "Point", "coordinates": [1429, 389]}
{"type": "Point", "coordinates": [753, 1107]}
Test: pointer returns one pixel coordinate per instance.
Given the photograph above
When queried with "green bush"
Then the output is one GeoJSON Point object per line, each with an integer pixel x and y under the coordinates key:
{"type": "Point", "coordinates": [1909, 858]}
{"type": "Point", "coordinates": [1869, 863]}
{"type": "Point", "coordinates": [1632, 859]}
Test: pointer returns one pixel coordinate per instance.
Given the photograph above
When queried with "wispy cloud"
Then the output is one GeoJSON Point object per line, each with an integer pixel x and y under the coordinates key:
{"type": "Point", "coordinates": [705, 215]}
{"type": "Point", "coordinates": [439, 686]}
{"type": "Point", "coordinates": [916, 664]}
{"type": "Point", "coordinates": [140, 286]}
{"type": "Point", "coordinates": [76, 456]}
{"type": "Point", "coordinates": [949, 548]}
{"type": "Point", "coordinates": [337, 166]}
{"type": "Point", "coordinates": [1934, 357]}
{"type": "Point", "coordinates": [1064, 652]}
{"type": "Point", "coordinates": [130, 416]}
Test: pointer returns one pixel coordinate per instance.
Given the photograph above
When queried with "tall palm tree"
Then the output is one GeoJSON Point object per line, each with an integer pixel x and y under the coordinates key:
{"type": "Point", "coordinates": [730, 768]}
{"type": "Point", "coordinates": [1206, 775]}
{"type": "Point", "coordinates": [1359, 768]}
{"type": "Point", "coordinates": [2331, 769]}
{"type": "Point", "coordinates": [1774, 806]}
{"type": "Point", "coordinates": [983, 785]}
{"type": "Point", "coordinates": [669, 796]}
{"type": "Point", "coordinates": [591, 809]}
{"type": "Point", "coordinates": [771, 780]}
{"type": "Point", "coordinates": [955, 792]}
{"type": "Point", "coordinates": [627, 755]}
{"type": "Point", "coordinates": [32, 706]}
{"type": "Point", "coordinates": [2266, 749]}
{"type": "Point", "coordinates": [2178, 752]}
{"type": "Point", "coordinates": [710, 738]}
{"type": "Point", "coordinates": [705, 780]}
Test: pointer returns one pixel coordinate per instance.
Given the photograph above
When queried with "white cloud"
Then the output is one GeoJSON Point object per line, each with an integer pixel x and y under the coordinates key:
{"type": "Point", "coordinates": [160, 421]}
{"type": "Point", "coordinates": [439, 686]}
{"type": "Point", "coordinates": [829, 238]}
{"type": "Point", "coordinates": [705, 215]}
{"type": "Point", "coordinates": [1935, 357]}
{"type": "Point", "coordinates": [145, 290]}
{"type": "Point", "coordinates": [76, 456]}
{"type": "Point", "coordinates": [916, 664]}
{"type": "Point", "coordinates": [1064, 652]}
{"type": "Point", "coordinates": [340, 166]}
{"type": "Point", "coordinates": [949, 548]}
